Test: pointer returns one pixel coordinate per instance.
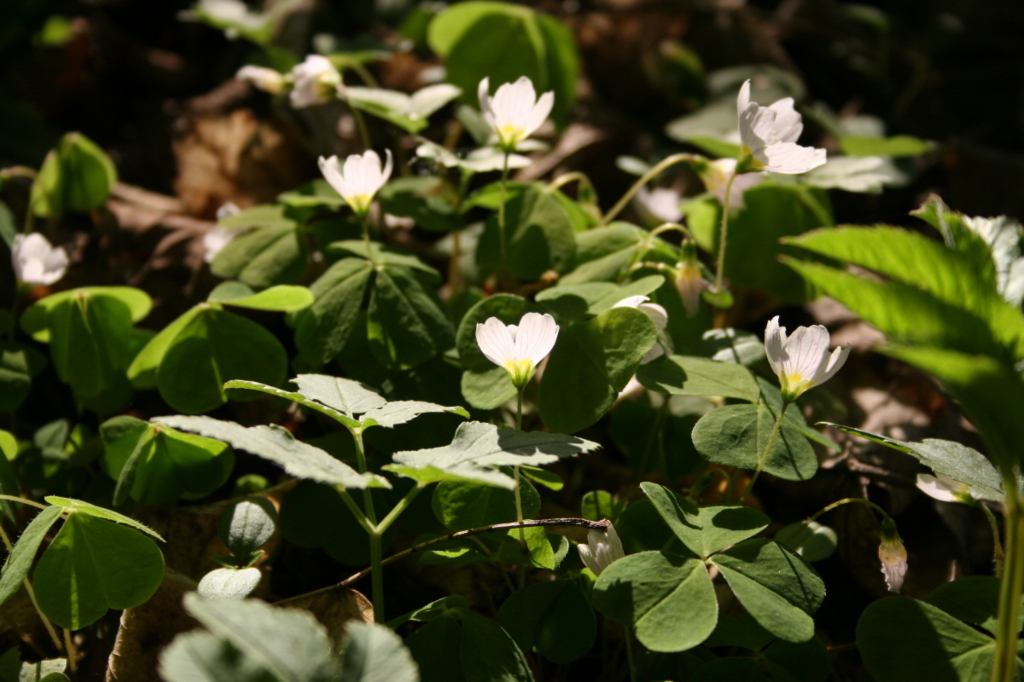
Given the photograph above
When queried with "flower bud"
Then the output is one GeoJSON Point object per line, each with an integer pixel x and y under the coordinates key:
{"type": "Point", "coordinates": [602, 549]}
{"type": "Point", "coordinates": [893, 556]}
{"type": "Point", "coordinates": [689, 279]}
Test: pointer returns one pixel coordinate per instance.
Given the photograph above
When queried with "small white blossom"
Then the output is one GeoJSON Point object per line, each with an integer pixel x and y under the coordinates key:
{"type": "Point", "coordinates": [36, 262]}
{"type": "Point", "coordinates": [716, 176]}
{"type": "Point", "coordinates": [518, 348]}
{"type": "Point", "coordinates": [602, 549]}
{"type": "Point", "coordinates": [943, 488]}
{"type": "Point", "coordinates": [215, 240]}
{"type": "Point", "coordinates": [514, 112]}
{"type": "Point", "coordinates": [768, 136]}
{"type": "Point", "coordinates": [893, 555]}
{"type": "Point", "coordinates": [262, 78]}
{"type": "Point", "coordinates": [316, 81]}
{"type": "Point", "coordinates": [662, 203]}
{"type": "Point", "coordinates": [657, 314]}
{"type": "Point", "coordinates": [802, 360]}
{"type": "Point", "coordinates": [360, 180]}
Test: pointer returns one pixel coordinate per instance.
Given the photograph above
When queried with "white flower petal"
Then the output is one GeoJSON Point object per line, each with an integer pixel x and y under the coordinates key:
{"type": "Point", "coordinates": [835, 363]}
{"type": "Point", "coordinates": [807, 349]}
{"type": "Point", "coordinates": [775, 345]}
{"type": "Point", "coordinates": [536, 337]}
{"type": "Point", "coordinates": [743, 100]}
{"type": "Point", "coordinates": [36, 261]}
{"type": "Point", "coordinates": [788, 124]}
{"type": "Point", "coordinates": [937, 488]}
{"type": "Point", "coordinates": [495, 341]}
{"type": "Point", "coordinates": [601, 550]}
{"type": "Point", "coordinates": [789, 158]}
{"type": "Point", "coordinates": [540, 112]}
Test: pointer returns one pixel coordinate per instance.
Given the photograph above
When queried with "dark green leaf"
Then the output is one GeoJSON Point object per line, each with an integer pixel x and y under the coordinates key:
{"type": "Point", "coordinates": [18, 364]}
{"type": "Point", "coordinates": [322, 329]}
{"type": "Point", "coordinates": [428, 200]}
{"type": "Point", "coordinates": [539, 236]}
{"type": "Point", "coordinates": [76, 176]}
{"type": "Point", "coordinates": [373, 653]}
{"type": "Point", "coordinates": [264, 257]}
{"type": "Point", "coordinates": [897, 146]}
{"type": "Point", "coordinates": [488, 653]}
{"type": "Point", "coordinates": [19, 561]}
{"type": "Point", "coordinates": [681, 375]}
{"type": "Point", "coordinates": [282, 298]}
{"type": "Point", "coordinates": [552, 617]}
{"type": "Point", "coordinates": [463, 505]}
{"type": "Point", "coordinates": [406, 323]}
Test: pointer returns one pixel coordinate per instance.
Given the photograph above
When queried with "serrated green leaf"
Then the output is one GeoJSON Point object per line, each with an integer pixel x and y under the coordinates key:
{"type": "Point", "coordinates": [343, 395]}
{"type": "Point", "coordinates": [279, 446]}
{"type": "Point", "coordinates": [402, 411]}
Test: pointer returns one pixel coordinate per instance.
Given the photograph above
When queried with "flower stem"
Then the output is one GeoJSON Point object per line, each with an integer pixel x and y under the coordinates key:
{"type": "Point", "coordinates": [377, 568]}
{"type": "Point", "coordinates": [767, 450]}
{"type": "Point", "coordinates": [723, 237]}
{"type": "Point", "coordinates": [997, 546]}
{"type": "Point", "coordinates": [519, 410]}
{"type": "Point", "coordinates": [811, 519]}
{"type": "Point", "coordinates": [364, 132]}
{"type": "Point", "coordinates": [365, 222]}
{"type": "Point", "coordinates": [69, 647]}
{"type": "Point", "coordinates": [1010, 587]}
{"type": "Point", "coordinates": [32, 594]}
{"type": "Point", "coordinates": [501, 220]}
{"type": "Point", "coordinates": [629, 655]}
{"type": "Point", "coordinates": [665, 163]}
{"type": "Point", "coordinates": [523, 549]}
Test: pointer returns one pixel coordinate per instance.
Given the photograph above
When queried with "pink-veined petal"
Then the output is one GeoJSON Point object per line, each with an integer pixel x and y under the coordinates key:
{"type": "Point", "coordinates": [495, 341]}
{"type": "Point", "coordinates": [775, 345]}
{"type": "Point", "coordinates": [791, 159]}
{"type": "Point", "coordinates": [536, 337]}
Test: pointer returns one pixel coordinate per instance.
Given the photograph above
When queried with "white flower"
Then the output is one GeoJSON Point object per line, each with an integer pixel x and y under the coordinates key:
{"type": "Point", "coordinates": [360, 180]}
{"type": "Point", "coordinates": [801, 361]}
{"type": "Point", "coordinates": [768, 136]}
{"type": "Point", "coordinates": [893, 555]}
{"type": "Point", "coordinates": [514, 112]}
{"type": "Point", "coordinates": [36, 261]}
{"type": "Point", "coordinates": [602, 549]}
{"type": "Point", "coordinates": [661, 202]}
{"type": "Point", "coordinates": [316, 81]}
{"type": "Point", "coordinates": [943, 488]}
{"type": "Point", "coordinates": [215, 240]}
{"type": "Point", "coordinates": [657, 315]}
{"type": "Point", "coordinates": [519, 349]}
{"type": "Point", "coordinates": [262, 78]}
{"type": "Point", "coordinates": [716, 176]}
{"type": "Point", "coordinates": [690, 283]}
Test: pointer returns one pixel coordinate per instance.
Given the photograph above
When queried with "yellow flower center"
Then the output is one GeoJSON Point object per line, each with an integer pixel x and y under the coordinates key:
{"type": "Point", "coordinates": [521, 371]}
{"type": "Point", "coordinates": [509, 136]}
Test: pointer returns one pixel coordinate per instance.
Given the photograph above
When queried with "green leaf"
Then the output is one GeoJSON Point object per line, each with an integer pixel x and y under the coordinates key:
{"type": "Point", "coordinates": [738, 434]}
{"type": "Point", "coordinates": [590, 364]}
{"type": "Point", "coordinates": [383, 255]}
{"type": "Point", "coordinates": [35, 321]}
{"type": "Point", "coordinates": [89, 342]}
{"type": "Point", "coordinates": [409, 113]}
{"type": "Point", "coordinates": [373, 653]}
{"type": "Point", "coordinates": [314, 515]}
{"type": "Point", "coordinates": [402, 411]}
{"type": "Point", "coordinates": [669, 599]}
{"type": "Point", "coordinates": [90, 509]}
{"type": "Point", "coordinates": [539, 236]}
{"type": "Point", "coordinates": [973, 599]}
{"type": "Point", "coordinates": [245, 386]}
{"type": "Point", "coordinates": [487, 389]}
{"type": "Point", "coordinates": [777, 588]}
{"type": "Point", "coordinates": [484, 385]}
{"type": "Point", "coordinates": [19, 561]}
{"type": "Point", "coordinates": [656, 440]}
{"type": "Point", "coordinates": [704, 530]}
{"type": "Point", "coordinates": [322, 329]}
{"type": "Point", "coordinates": [573, 301]}
{"type": "Point", "coordinates": [732, 345]}
{"type": "Point", "coordinates": [247, 525]}
{"type": "Point", "coordinates": [76, 176]}
{"type": "Point", "coordinates": [944, 648]}
{"type": "Point", "coordinates": [157, 465]}
{"type": "Point", "coordinates": [288, 644]}
{"type": "Point", "coordinates": [605, 253]}
{"type": "Point", "coordinates": [503, 42]}
{"type": "Point", "coordinates": [435, 646]}
{"type": "Point", "coordinates": [552, 617]}
{"type": "Point", "coordinates": [18, 364]}
{"type": "Point", "coordinates": [92, 566]}
{"type": "Point", "coordinates": [461, 505]}
{"type": "Point", "coordinates": [773, 211]}
{"type": "Point", "coordinates": [8, 479]}
{"type": "Point", "coordinates": [488, 653]}
{"type": "Point", "coordinates": [947, 457]}
{"type": "Point", "coordinates": [214, 347]}
{"type": "Point", "coordinates": [406, 322]}
{"type": "Point", "coordinates": [143, 370]}
{"type": "Point", "coordinates": [427, 199]}
{"type": "Point", "coordinates": [598, 505]}
{"type": "Point", "coordinates": [263, 257]}
{"type": "Point", "coordinates": [548, 479]}
{"type": "Point", "coordinates": [344, 395]}
{"type": "Point", "coordinates": [812, 541]}
{"type": "Point", "coordinates": [229, 583]}
{"type": "Point", "coordinates": [478, 447]}
{"type": "Point", "coordinates": [896, 147]}
{"type": "Point", "coordinates": [279, 446]}
{"type": "Point", "coordinates": [282, 298]}
{"type": "Point", "coordinates": [681, 375]}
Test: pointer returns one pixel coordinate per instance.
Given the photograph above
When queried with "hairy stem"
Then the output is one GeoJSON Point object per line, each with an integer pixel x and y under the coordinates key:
{"type": "Point", "coordinates": [723, 238]}
{"type": "Point", "coordinates": [997, 546]}
{"type": "Point", "coordinates": [1010, 587]}
{"type": "Point", "coordinates": [665, 163]}
{"type": "Point", "coordinates": [502, 248]}
{"type": "Point", "coordinates": [31, 593]}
